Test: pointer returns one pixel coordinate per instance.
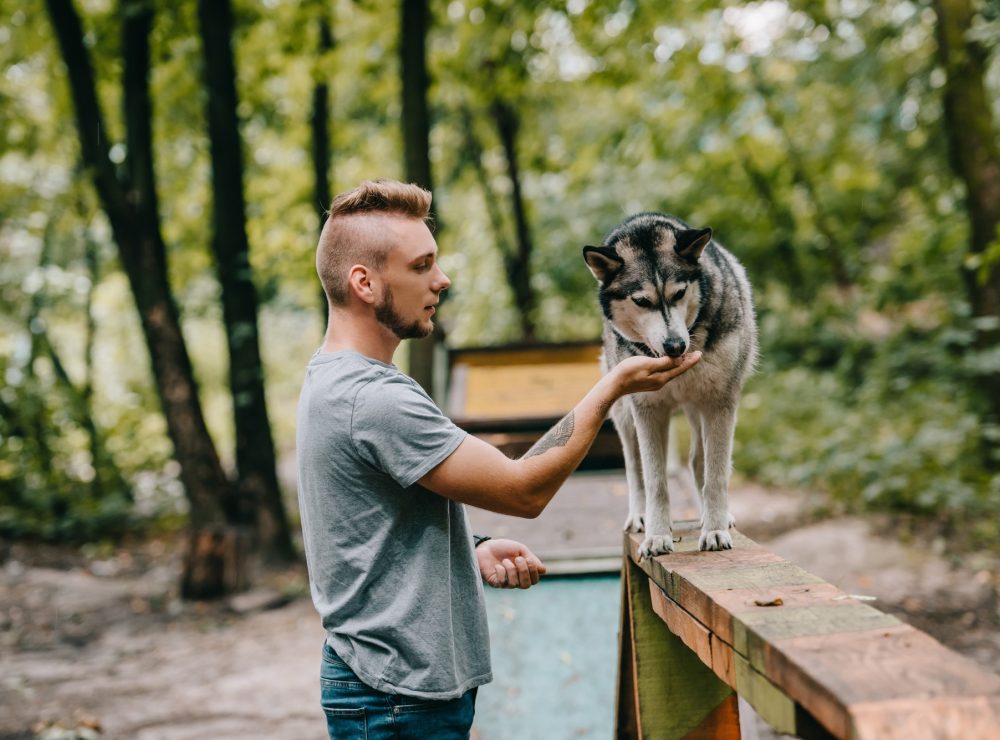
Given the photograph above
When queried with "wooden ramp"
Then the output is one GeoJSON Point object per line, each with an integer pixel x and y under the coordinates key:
{"type": "Point", "coordinates": [698, 628]}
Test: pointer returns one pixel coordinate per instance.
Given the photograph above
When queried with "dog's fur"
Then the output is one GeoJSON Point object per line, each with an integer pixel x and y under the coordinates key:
{"type": "Point", "coordinates": [667, 289]}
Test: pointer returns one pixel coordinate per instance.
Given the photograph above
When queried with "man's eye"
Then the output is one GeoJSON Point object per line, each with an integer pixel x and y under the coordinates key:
{"type": "Point", "coordinates": [642, 302]}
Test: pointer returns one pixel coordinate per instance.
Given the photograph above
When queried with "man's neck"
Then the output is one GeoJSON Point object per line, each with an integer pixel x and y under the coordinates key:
{"type": "Point", "coordinates": [374, 341]}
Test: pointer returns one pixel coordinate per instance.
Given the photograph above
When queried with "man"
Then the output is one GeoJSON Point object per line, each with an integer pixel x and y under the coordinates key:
{"type": "Point", "coordinates": [383, 475]}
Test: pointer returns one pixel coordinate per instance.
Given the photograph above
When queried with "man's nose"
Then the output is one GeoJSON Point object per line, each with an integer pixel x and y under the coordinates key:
{"type": "Point", "coordinates": [443, 282]}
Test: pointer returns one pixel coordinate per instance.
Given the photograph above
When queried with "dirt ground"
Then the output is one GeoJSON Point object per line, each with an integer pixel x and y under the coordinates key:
{"type": "Point", "coordinates": [98, 644]}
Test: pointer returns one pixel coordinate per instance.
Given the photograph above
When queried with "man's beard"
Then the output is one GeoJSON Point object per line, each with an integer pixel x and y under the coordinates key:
{"type": "Point", "coordinates": [387, 315]}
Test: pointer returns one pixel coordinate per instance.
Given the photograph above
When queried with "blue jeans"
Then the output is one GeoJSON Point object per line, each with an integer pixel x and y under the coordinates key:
{"type": "Point", "coordinates": [355, 711]}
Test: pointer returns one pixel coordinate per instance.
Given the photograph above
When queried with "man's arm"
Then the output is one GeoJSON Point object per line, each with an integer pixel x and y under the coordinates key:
{"type": "Point", "coordinates": [480, 475]}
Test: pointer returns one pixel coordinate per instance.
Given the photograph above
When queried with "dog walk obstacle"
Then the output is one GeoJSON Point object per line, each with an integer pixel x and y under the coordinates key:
{"type": "Point", "coordinates": [699, 629]}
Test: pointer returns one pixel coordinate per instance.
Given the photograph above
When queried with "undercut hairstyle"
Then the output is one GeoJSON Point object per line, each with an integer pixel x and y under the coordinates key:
{"type": "Point", "coordinates": [355, 233]}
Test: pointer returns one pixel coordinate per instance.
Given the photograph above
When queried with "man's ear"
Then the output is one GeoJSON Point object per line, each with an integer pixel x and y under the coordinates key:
{"type": "Point", "coordinates": [359, 283]}
{"type": "Point", "coordinates": [604, 262]}
{"type": "Point", "coordinates": [691, 243]}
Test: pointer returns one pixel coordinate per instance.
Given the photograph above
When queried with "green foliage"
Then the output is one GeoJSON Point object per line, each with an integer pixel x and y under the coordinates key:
{"type": "Point", "coordinates": [879, 416]}
{"type": "Point", "coordinates": [51, 486]}
{"type": "Point", "coordinates": [808, 135]}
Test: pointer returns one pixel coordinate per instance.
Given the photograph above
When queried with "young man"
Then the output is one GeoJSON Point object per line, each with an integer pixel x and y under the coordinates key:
{"type": "Point", "coordinates": [383, 475]}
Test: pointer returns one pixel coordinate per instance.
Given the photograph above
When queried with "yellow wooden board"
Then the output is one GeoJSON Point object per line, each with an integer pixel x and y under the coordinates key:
{"type": "Point", "coordinates": [516, 391]}
{"type": "Point", "coordinates": [521, 382]}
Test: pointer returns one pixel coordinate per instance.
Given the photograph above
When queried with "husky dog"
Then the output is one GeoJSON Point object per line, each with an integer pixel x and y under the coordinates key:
{"type": "Point", "coordinates": [668, 289]}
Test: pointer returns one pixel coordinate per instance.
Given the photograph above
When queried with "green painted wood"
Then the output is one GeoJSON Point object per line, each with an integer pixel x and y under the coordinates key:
{"type": "Point", "coordinates": [675, 691]}
{"type": "Point", "coordinates": [767, 699]}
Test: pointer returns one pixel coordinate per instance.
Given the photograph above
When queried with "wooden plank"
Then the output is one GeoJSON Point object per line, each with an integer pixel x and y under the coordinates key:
{"type": "Point", "coordinates": [691, 577]}
{"type": "Point", "coordinates": [769, 701]}
{"type": "Point", "coordinates": [755, 632]}
{"type": "Point", "coordinates": [675, 693]}
{"type": "Point", "coordinates": [722, 723]}
{"type": "Point", "coordinates": [842, 666]}
{"type": "Point", "coordinates": [579, 352]}
{"type": "Point", "coordinates": [833, 674]}
{"type": "Point", "coordinates": [723, 661]}
{"type": "Point", "coordinates": [712, 651]}
{"type": "Point", "coordinates": [923, 719]}
{"type": "Point", "coordinates": [690, 631]}
{"type": "Point", "coordinates": [626, 711]}
{"type": "Point", "coordinates": [523, 391]}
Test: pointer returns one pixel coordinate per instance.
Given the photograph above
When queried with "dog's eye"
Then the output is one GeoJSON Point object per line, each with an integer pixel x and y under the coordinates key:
{"type": "Point", "coordinates": [642, 302]}
{"type": "Point", "coordinates": [679, 294]}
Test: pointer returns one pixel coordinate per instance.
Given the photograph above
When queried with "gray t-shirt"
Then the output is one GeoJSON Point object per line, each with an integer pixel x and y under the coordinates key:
{"type": "Point", "coordinates": [392, 569]}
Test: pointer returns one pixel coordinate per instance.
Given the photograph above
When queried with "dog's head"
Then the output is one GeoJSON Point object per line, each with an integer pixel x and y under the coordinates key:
{"type": "Point", "coordinates": [648, 274]}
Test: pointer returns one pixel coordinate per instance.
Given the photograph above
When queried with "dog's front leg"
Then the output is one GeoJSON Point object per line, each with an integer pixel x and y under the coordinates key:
{"type": "Point", "coordinates": [623, 417]}
{"type": "Point", "coordinates": [717, 434]}
{"type": "Point", "coordinates": [653, 432]}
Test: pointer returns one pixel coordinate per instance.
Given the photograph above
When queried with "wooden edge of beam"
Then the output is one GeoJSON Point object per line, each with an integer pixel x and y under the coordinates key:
{"type": "Point", "coordinates": [913, 719]}
{"type": "Point", "coordinates": [798, 650]}
{"type": "Point", "coordinates": [767, 699]}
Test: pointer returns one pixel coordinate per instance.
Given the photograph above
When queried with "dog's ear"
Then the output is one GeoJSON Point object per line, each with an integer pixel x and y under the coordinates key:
{"type": "Point", "coordinates": [691, 243]}
{"type": "Point", "coordinates": [604, 262]}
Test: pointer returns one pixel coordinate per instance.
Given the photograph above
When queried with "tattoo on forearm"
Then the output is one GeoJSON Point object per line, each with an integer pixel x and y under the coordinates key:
{"type": "Point", "coordinates": [557, 436]}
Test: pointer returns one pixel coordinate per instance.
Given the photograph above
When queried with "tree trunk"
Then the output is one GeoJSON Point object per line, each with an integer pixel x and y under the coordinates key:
{"type": "Point", "coordinates": [975, 157]}
{"type": "Point", "coordinates": [260, 494]}
{"type": "Point", "coordinates": [518, 264]}
{"type": "Point", "coordinates": [414, 24]}
{"type": "Point", "coordinates": [319, 123]}
{"type": "Point", "coordinates": [131, 210]}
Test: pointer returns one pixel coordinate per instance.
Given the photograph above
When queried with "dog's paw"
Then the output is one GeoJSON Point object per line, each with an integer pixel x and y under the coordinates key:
{"type": "Point", "coordinates": [730, 521]}
{"type": "Point", "coordinates": [656, 544]}
{"type": "Point", "coordinates": [715, 539]}
{"type": "Point", "coordinates": [635, 524]}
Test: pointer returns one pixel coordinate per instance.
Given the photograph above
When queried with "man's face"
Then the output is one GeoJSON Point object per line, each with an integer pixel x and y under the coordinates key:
{"type": "Point", "coordinates": [412, 280]}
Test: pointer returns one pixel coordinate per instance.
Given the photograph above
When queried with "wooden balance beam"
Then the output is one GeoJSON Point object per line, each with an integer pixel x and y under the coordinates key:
{"type": "Point", "coordinates": [700, 628]}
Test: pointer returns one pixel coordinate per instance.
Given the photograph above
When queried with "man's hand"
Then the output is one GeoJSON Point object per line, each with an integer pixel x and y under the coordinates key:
{"type": "Point", "coordinates": [638, 374]}
{"type": "Point", "coordinates": [508, 564]}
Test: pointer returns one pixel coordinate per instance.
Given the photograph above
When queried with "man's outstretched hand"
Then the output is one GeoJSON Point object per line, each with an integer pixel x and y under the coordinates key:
{"type": "Point", "coordinates": [508, 564]}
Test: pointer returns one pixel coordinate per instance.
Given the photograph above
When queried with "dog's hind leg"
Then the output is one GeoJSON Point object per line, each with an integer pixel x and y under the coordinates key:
{"type": "Point", "coordinates": [624, 419]}
{"type": "Point", "coordinates": [717, 424]}
{"type": "Point", "coordinates": [653, 432]}
{"type": "Point", "coordinates": [696, 455]}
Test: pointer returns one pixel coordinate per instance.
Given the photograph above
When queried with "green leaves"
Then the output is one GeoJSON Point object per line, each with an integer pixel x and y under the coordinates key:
{"type": "Point", "coordinates": [809, 136]}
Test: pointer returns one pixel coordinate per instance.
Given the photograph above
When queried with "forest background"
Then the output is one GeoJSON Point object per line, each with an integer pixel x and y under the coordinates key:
{"type": "Point", "coordinates": [164, 168]}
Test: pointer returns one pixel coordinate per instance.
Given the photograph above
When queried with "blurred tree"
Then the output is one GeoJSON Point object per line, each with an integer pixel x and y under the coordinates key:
{"type": "Point", "coordinates": [975, 157]}
{"type": "Point", "coordinates": [414, 20]}
{"type": "Point", "coordinates": [517, 261]}
{"type": "Point", "coordinates": [129, 200]}
{"type": "Point", "coordinates": [812, 137]}
{"type": "Point", "coordinates": [107, 477]}
{"type": "Point", "coordinates": [319, 124]}
{"type": "Point", "coordinates": [259, 502]}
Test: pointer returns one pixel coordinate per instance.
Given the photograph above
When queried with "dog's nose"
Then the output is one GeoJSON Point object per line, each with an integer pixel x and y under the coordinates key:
{"type": "Point", "coordinates": [674, 347]}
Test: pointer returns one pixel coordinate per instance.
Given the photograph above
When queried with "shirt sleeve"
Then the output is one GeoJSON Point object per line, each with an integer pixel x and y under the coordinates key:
{"type": "Point", "coordinates": [398, 429]}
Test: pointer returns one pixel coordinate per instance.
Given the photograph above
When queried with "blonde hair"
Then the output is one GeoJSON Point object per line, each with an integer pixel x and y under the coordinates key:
{"type": "Point", "coordinates": [354, 233]}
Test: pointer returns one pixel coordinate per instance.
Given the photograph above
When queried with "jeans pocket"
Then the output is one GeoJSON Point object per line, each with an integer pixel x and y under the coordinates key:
{"type": "Point", "coordinates": [346, 724]}
{"type": "Point", "coordinates": [335, 674]}
{"type": "Point", "coordinates": [442, 720]}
